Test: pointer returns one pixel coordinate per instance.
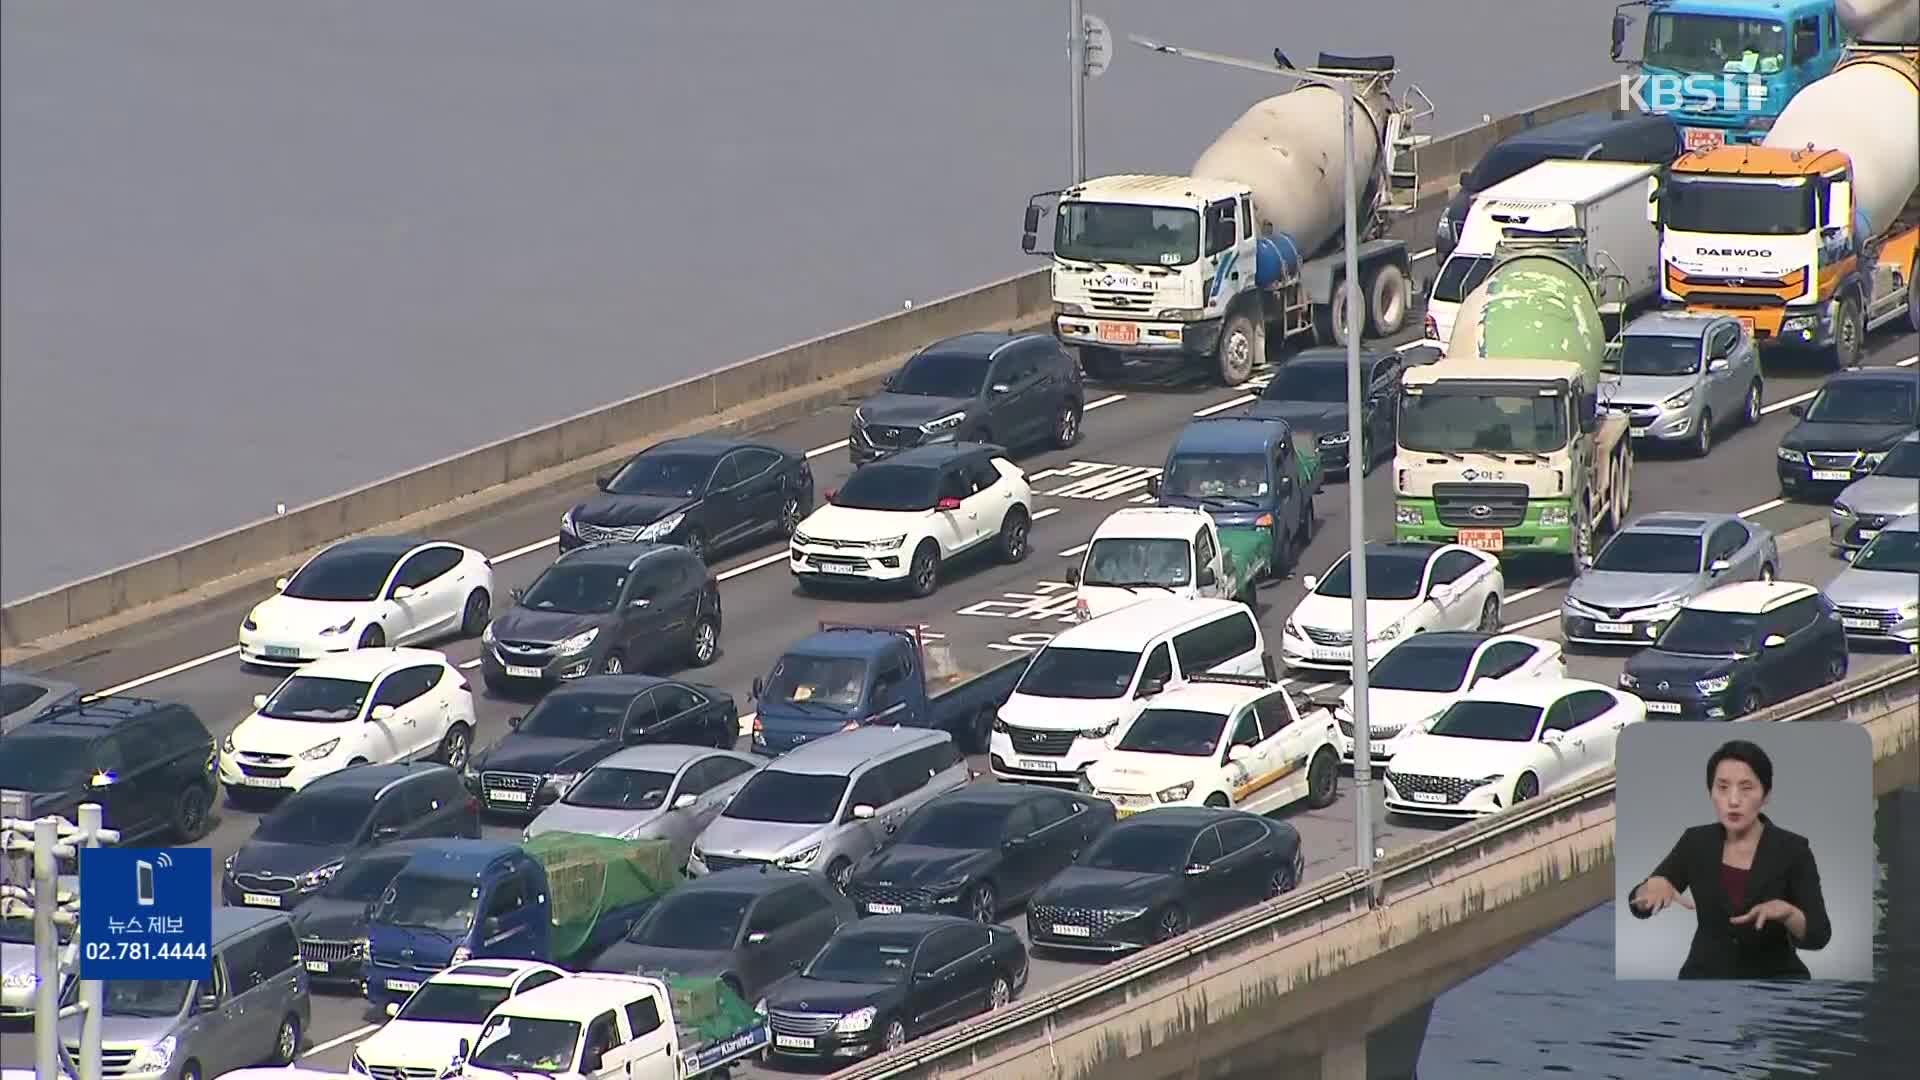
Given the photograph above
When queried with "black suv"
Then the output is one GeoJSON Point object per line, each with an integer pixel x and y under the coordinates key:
{"type": "Point", "coordinates": [1738, 648]}
{"type": "Point", "coordinates": [607, 609]}
{"type": "Point", "coordinates": [1013, 390]}
{"type": "Point", "coordinates": [303, 842]}
{"type": "Point", "coordinates": [151, 765]}
{"type": "Point", "coordinates": [704, 493]}
{"type": "Point", "coordinates": [1855, 420]}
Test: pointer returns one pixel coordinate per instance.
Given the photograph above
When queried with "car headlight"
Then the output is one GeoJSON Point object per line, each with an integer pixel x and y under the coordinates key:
{"type": "Point", "coordinates": [1629, 681]}
{"type": "Point", "coordinates": [1680, 400]}
{"type": "Point", "coordinates": [1842, 509]}
{"type": "Point", "coordinates": [1555, 515]}
{"type": "Point", "coordinates": [580, 641]}
{"type": "Point", "coordinates": [226, 742]}
{"type": "Point", "coordinates": [330, 631]}
{"type": "Point", "coordinates": [888, 542]}
{"type": "Point", "coordinates": [1795, 456]}
{"type": "Point", "coordinates": [1100, 732]}
{"type": "Point", "coordinates": [663, 527]}
{"type": "Point", "coordinates": [562, 781]}
{"type": "Point", "coordinates": [760, 1007]}
{"type": "Point", "coordinates": [486, 635]}
{"type": "Point", "coordinates": [1408, 515]}
{"type": "Point", "coordinates": [250, 622]}
{"type": "Point", "coordinates": [229, 863]}
{"type": "Point", "coordinates": [155, 1057]}
{"type": "Point", "coordinates": [1292, 629]}
{"type": "Point", "coordinates": [1875, 458]}
{"type": "Point", "coordinates": [566, 524]}
{"type": "Point", "coordinates": [357, 1066]}
{"type": "Point", "coordinates": [1910, 608]}
{"type": "Point", "coordinates": [321, 751]}
{"type": "Point", "coordinates": [801, 858]}
{"type": "Point", "coordinates": [858, 1020]}
{"type": "Point", "coordinates": [1713, 686]}
{"type": "Point", "coordinates": [860, 416]}
{"type": "Point", "coordinates": [319, 875]}
{"type": "Point", "coordinates": [945, 423]}
{"type": "Point", "coordinates": [1334, 438]}
{"type": "Point", "coordinates": [1000, 726]}
{"type": "Point", "coordinates": [1174, 793]}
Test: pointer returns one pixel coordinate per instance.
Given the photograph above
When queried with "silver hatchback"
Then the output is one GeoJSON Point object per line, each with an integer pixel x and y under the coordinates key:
{"type": "Point", "coordinates": [1874, 501]}
{"type": "Point", "coordinates": [1650, 569]}
{"type": "Point", "coordinates": [1681, 379]}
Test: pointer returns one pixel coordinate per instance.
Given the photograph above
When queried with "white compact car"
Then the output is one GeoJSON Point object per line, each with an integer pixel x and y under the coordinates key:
{"type": "Point", "coordinates": [366, 593]}
{"type": "Point", "coordinates": [1411, 587]}
{"type": "Point", "coordinates": [1507, 742]}
{"type": "Point", "coordinates": [1220, 740]}
{"type": "Point", "coordinates": [1420, 676]}
{"type": "Point", "coordinates": [896, 521]}
{"type": "Point", "coordinates": [425, 1033]}
{"type": "Point", "coordinates": [368, 706]}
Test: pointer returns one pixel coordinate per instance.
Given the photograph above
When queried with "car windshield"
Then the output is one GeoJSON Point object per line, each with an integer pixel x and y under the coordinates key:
{"type": "Point", "coordinates": [1324, 383]}
{"type": "Point", "coordinates": [145, 997]}
{"type": "Point", "coordinates": [942, 374]}
{"type": "Point", "coordinates": [704, 921]}
{"type": "Point", "coordinates": [836, 683]}
{"type": "Point", "coordinates": [1228, 477]}
{"type": "Point", "coordinates": [582, 588]}
{"type": "Point", "coordinates": [788, 798]}
{"type": "Point", "coordinates": [1710, 633]}
{"type": "Point", "coordinates": [451, 1003]}
{"type": "Point", "coordinates": [664, 473]}
{"type": "Point", "coordinates": [1495, 721]}
{"type": "Point", "coordinates": [20, 932]}
{"type": "Point", "coordinates": [520, 1044]}
{"type": "Point", "coordinates": [590, 717]}
{"type": "Point", "coordinates": [1659, 354]}
{"type": "Point", "coordinates": [960, 825]}
{"type": "Point", "coordinates": [364, 879]}
{"type": "Point", "coordinates": [1419, 666]}
{"type": "Point", "coordinates": [1182, 732]}
{"type": "Point", "coordinates": [1142, 849]}
{"type": "Point", "coordinates": [342, 575]}
{"type": "Point", "coordinates": [1484, 423]}
{"type": "Point", "coordinates": [889, 486]}
{"type": "Point", "coordinates": [428, 902]}
{"type": "Point", "coordinates": [1127, 234]}
{"type": "Point", "coordinates": [1058, 671]}
{"type": "Point", "coordinates": [873, 958]}
{"type": "Point", "coordinates": [317, 698]}
{"type": "Point", "coordinates": [44, 761]}
{"type": "Point", "coordinates": [1709, 43]}
{"type": "Point", "coordinates": [1393, 576]}
{"type": "Point", "coordinates": [316, 819]}
{"type": "Point", "coordinates": [1891, 551]}
{"type": "Point", "coordinates": [607, 788]}
{"type": "Point", "coordinates": [1864, 402]}
{"type": "Point", "coordinates": [1644, 552]}
{"type": "Point", "coordinates": [1458, 277]}
{"type": "Point", "coordinates": [1124, 562]}
{"type": "Point", "coordinates": [1902, 462]}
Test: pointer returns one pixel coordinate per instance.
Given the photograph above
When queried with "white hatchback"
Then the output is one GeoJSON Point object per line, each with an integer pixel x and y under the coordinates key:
{"type": "Point", "coordinates": [424, 1035]}
{"type": "Point", "coordinates": [1411, 587]}
{"type": "Point", "coordinates": [370, 592]}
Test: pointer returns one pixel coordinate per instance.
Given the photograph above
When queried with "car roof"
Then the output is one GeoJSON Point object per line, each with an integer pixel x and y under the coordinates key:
{"type": "Point", "coordinates": [229, 922]}
{"type": "Point", "coordinates": [627, 555]}
{"type": "Point", "coordinates": [1681, 522]}
{"type": "Point", "coordinates": [367, 664]}
{"type": "Point", "coordinates": [706, 444]}
{"type": "Point", "coordinates": [979, 342]}
{"type": "Point", "coordinates": [395, 546]}
{"type": "Point", "coordinates": [754, 879]}
{"type": "Point", "coordinates": [1399, 549]}
{"type": "Point", "coordinates": [87, 717]}
{"type": "Point", "coordinates": [1330, 355]}
{"type": "Point", "coordinates": [932, 457]}
{"type": "Point", "coordinates": [598, 685]}
{"type": "Point", "coordinates": [1685, 324]}
{"type": "Point", "coordinates": [1193, 816]}
{"type": "Point", "coordinates": [577, 995]}
{"type": "Point", "coordinates": [1581, 128]}
{"type": "Point", "coordinates": [490, 972]}
{"type": "Point", "coordinates": [1539, 692]}
{"type": "Point", "coordinates": [1898, 376]}
{"type": "Point", "coordinates": [369, 778]}
{"type": "Point", "coordinates": [844, 751]}
{"type": "Point", "coordinates": [1151, 522]}
{"type": "Point", "coordinates": [1751, 597]}
{"type": "Point", "coordinates": [901, 924]}
{"type": "Point", "coordinates": [667, 757]}
{"type": "Point", "coordinates": [1231, 434]}
{"type": "Point", "coordinates": [1209, 697]}
{"type": "Point", "coordinates": [1130, 628]}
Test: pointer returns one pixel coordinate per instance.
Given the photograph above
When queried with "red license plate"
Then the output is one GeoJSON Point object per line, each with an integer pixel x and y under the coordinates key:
{"type": "Point", "coordinates": [1705, 139]}
{"type": "Point", "coordinates": [1119, 333]}
{"type": "Point", "coordinates": [1484, 539]}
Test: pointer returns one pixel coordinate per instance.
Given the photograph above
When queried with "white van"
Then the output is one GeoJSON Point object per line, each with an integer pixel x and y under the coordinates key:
{"type": "Point", "coordinates": [1151, 552]}
{"type": "Point", "coordinates": [1084, 687]}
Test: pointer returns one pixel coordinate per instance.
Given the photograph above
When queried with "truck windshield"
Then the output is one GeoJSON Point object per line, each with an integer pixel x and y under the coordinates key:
{"type": "Point", "coordinates": [1459, 275]}
{"type": "Point", "coordinates": [1125, 562]}
{"type": "Point", "coordinates": [452, 1003]}
{"type": "Point", "coordinates": [513, 1044]}
{"type": "Point", "coordinates": [1182, 732]}
{"type": "Point", "coordinates": [1123, 233]}
{"type": "Point", "coordinates": [1504, 163]}
{"type": "Point", "coordinates": [835, 682]}
{"type": "Point", "coordinates": [1483, 423]}
{"type": "Point", "coordinates": [1217, 476]}
{"type": "Point", "coordinates": [1686, 42]}
{"type": "Point", "coordinates": [1864, 402]}
{"type": "Point", "coordinates": [1659, 354]}
{"type": "Point", "coordinates": [1497, 721]}
{"type": "Point", "coordinates": [1752, 207]}
{"type": "Point", "coordinates": [1062, 672]}
{"type": "Point", "coordinates": [1892, 552]}
{"type": "Point", "coordinates": [428, 902]}
{"type": "Point", "coordinates": [788, 798]}
{"type": "Point", "coordinates": [1649, 552]}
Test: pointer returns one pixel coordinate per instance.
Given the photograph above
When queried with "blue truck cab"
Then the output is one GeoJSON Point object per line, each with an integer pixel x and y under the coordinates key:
{"type": "Point", "coordinates": [1250, 474]}
{"type": "Point", "coordinates": [1724, 69]}
{"type": "Point", "coordinates": [847, 676]}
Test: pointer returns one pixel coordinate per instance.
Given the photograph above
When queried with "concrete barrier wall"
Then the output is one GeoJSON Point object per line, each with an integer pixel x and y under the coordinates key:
{"type": "Point", "coordinates": [760, 392]}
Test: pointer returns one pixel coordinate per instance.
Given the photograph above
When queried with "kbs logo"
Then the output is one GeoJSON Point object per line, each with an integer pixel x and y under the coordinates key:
{"type": "Point", "coordinates": [1692, 93]}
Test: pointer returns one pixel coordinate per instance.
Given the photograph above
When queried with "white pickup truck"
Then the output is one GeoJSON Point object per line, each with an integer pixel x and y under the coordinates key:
{"type": "Point", "coordinates": [1145, 552]}
{"type": "Point", "coordinates": [598, 1026]}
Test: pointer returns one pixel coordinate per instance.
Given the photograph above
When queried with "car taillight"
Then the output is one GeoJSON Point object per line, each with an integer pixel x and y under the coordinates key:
{"type": "Point", "coordinates": [1081, 611]}
{"type": "Point", "coordinates": [1433, 328]}
{"type": "Point", "coordinates": [757, 729]}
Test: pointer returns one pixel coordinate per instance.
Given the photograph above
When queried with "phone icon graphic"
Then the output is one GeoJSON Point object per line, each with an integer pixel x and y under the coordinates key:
{"type": "Point", "coordinates": [143, 873]}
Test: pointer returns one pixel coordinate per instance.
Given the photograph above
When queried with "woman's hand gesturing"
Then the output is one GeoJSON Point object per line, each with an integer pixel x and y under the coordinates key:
{"type": "Point", "coordinates": [1655, 894]}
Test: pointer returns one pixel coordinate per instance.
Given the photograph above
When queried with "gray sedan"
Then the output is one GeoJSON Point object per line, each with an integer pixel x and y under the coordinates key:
{"type": "Point", "coordinates": [1682, 378]}
{"type": "Point", "coordinates": [1656, 564]}
{"type": "Point", "coordinates": [659, 792]}
{"type": "Point", "coordinates": [1870, 503]}
{"type": "Point", "coordinates": [1879, 595]}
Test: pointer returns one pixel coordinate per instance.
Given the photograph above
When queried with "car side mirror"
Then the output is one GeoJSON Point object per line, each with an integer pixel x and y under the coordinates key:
{"type": "Point", "coordinates": [1310, 583]}
{"type": "Point", "coordinates": [797, 966]}
{"type": "Point", "coordinates": [999, 388]}
{"type": "Point", "coordinates": [1153, 486]}
{"type": "Point", "coordinates": [1196, 869]}
{"type": "Point", "coordinates": [923, 976]}
{"type": "Point", "coordinates": [759, 686]}
{"type": "Point", "coordinates": [1206, 577]}
{"type": "Point", "coordinates": [381, 713]}
{"type": "Point", "coordinates": [1014, 843]}
{"type": "Point", "coordinates": [1773, 641]}
{"type": "Point", "coordinates": [638, 602]}
{"type": "Point", "coordinates": [280, 585]}
{"type": "Point", "coordinates": [1796, 410]}
{"type": "Point", "coordinates": [385, 833]}
{"type": "Point", "coordinates": [209, 1002]}
{"type": "Point", "coordinates": [1849, 554]}
{"type": "Point", "coordinates": [1150, 687]}
{"type": "Point", "coordinates": [1441, 590]}
{"type": "Point", "coordinates": [368, 909]}
{"type": "Point", "coordinates": [259, 702]}
{"type": "Point", "coordinates": [401, 592]}
{"type": "Point", "coordinates": [392, 1009]}
{"type": "Point", "coordinates": [1719, 566]}
{"type": "Point", "coordinates": [685, 800]}
{"type": "Point", "coordinates": [1714, 367]}
{"type": "Point", "coordinates": [947, 504]}
{"type": "Point", "coordinates": [758, 937]}
{"type": "Point", "coordinates": [1073, 576]}
{"type": "Point", "coordinates": [604, 481]}
{"type": "Point", "coordinates": [100, 780]}
{"type": "Point", "coordinates": [491, 926]}
{"type": "Point", "coordinates": [863, 812]}
{"type": "Point", "coordinates": [517, 594]}
{"type": "Point", "coordinates": [1552, 738]}
{"type": "Point", "coordinates": [515, 721]}
{"type": "Point", "coordinates": [1239, 752]}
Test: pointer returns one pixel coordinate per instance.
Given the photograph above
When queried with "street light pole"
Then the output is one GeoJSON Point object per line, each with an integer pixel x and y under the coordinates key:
{"type": "Point", "coordinates": [1077, 85]}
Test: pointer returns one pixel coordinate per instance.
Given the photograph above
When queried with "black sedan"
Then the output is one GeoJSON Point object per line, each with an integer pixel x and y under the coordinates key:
{"type": "Point", "coordinates": [1157, 873]}
{"type": "Point", "coordinates": [879, 982]}
{"type": "Point", "coordinates": [571, 729]}
{"type": "Point", "coordinates": [978, 850]}
{"type": "Point", "coordinates": [1850, 425]}
{"type": "Point", "coordinates": [332, 926]}
{"type": "Point", "coordinates": [1309, 391]}
{"type": "Point", "coordinates": [704, 493]}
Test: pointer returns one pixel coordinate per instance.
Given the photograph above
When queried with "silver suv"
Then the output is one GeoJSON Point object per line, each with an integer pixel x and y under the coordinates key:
{"type": "Point", "coordinates": [1682, 378]}
{"type": "Point", "coordinates": [823, 806]}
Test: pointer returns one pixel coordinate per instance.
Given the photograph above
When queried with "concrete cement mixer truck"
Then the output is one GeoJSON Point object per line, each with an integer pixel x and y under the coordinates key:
{"type": "Point", "coordinates": [1812, 238]}
{"type": "Point", "coordinates": [1502, 444]}
{"type": "Point", "coordinates": [1246, 249]}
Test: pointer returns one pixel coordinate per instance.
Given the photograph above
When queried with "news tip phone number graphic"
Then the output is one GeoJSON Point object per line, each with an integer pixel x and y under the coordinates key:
{"type": "Point", "coordinates": [146, 913]}
{"type": "Point", "coordinates": [142, 950]}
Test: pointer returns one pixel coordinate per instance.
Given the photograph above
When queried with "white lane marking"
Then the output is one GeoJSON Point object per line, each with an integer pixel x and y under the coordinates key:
{"type": "Point", "coordinates": [1225, 405]}
{"type": "Point", "coordinates": [1110, 399]}
{"type": "Point", "coordinates": [745, 568]}
{"type": "Point", "coordinates": [1072, 551]}
{"type": "Point", "coordinates": [1787, 403]}
{"type": "Point", "coordinates": [1418, 255]}
{"type": "Point", "coordinates": [348, 1037]}
{"type": "Point", "coordinates": [185, 665]}
{"type": "Point", "coordinates": [471, 664]}
{"type": "Point", "coordinates": [525, 550]}
{"type": "Point", "coordinates": [1514, 598]}
{"type": "Point", "coordinates": [1908, 362]}
{"type": "Point", "coordinates": [827, 449]}
{"type": "Point", "coordinates": [1047, 513]}
{"type": "Point", "coordinates": [1762, 508]}
{"type": "Point", "coordinates": [1524, 623]}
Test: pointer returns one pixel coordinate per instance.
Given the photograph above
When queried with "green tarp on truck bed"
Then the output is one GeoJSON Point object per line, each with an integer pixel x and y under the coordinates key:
{"type": "Point", "coordinates": [591, 875]}
{"type": "Point", "coordinates": [707, 1009]}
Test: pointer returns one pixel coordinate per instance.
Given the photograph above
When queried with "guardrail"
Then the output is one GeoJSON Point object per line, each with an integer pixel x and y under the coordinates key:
{"type": "Point", "coordinates": [1870, 697]}
{"type": "Point", "coordinates": [756, 393]}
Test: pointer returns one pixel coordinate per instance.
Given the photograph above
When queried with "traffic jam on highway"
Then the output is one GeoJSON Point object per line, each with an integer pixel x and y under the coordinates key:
{"type": "Point", "coordinates": [786, 750]}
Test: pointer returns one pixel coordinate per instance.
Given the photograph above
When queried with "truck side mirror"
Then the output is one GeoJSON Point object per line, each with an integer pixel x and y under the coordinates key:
{"type": "Point", "coordinates": [759, 685]}
{"type": "Point", "coordinates": [1206, 577]}
{"type": "Point", "coordinates": [1030, 222]}
{"type": "Point", "coordinates": [1029, 242]}
{"type": "Point", "coordinates": [1619, 37]}
{"type": "Point", "coordinates": [1073, 576]}
{"type": "Point", "coordinates": [1653, 199]}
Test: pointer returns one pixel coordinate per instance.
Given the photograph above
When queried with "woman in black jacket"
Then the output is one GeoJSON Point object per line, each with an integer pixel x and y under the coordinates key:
{"type": "Point", "coordinates": [1755, 887]}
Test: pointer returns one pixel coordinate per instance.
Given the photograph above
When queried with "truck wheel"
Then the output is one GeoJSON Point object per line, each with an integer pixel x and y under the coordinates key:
{"type": "Point", "coordinates": [1281, 567]}
{"type": "Point", "coordinates": [1622, 493]}
{"type": "Point", "coordinates": [1846, 336]}
{"type": "Point", "coordinates": [978, 736]}
{"type": "Point", "coordinates": [1100, 363]}
{"type": "Point", "coordinates": [1330, 319]}
{"type": "Point", "coordinates": [1913, 296]}
{"type": "Point", "coordinates": [923, 574]}
{"type": "Point", "coordinates": [1240, 346]}
{"type": "Point", "coordinates": [1387, 300]}
{"type": "Point", "coordinates": [1582, 541]}
{"type": "Point", "coordinates": [1323, 780]}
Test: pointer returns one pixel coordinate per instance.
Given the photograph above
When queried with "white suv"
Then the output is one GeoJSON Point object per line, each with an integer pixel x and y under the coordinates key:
{"type": "Point", "coordinates": [896, 521]}
{"type": "Point", "coordinates": [368, 706]}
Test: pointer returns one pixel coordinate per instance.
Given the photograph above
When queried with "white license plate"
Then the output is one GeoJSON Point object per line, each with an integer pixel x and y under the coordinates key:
{"type": "Point", "coordinates": [1640, 432]}
{"type": "Point", "coordinates": [836, 568]}
{"type": "Point", "coordinates": [1868, 534]}
{"type": "Point", "coordinates": [1039, 765]}
{"type": "Point", "coordinates": [1428, 796]}
{"type": "Point", "coordinates": [281, 652]}
{"type": "Point", "coordinates": [1663, 706]}
{"type": "Point", "coordinates": [1379, 748]}
{"type": "Point", "coordinates": [523, 672]}
{"type": "Point", "coordinates": [254, 899]}
{"type": "Point", "coordinates": [402, 986]}
{"type": "Point", "coordinates": [793, 1042]}
{"type": "Point", "coordinates": [1832, 474]}
{"type": "Point", "coordinates": [1613, 628]}
{"type": "Point", "coordinates": [1063, 930]}
{"type": "Point", "coordinates": [1330, 656]}
{"type": "Point", "coordinates": [883, 909]}
{"type": "Point", "coordinates": [1861, 624]}
{"type": "Point", "coordinates": [319, 967]}
{"type": "Point", "coordinates": [264, 781]}
{"type": "Point", "coordinates": [507, 796]}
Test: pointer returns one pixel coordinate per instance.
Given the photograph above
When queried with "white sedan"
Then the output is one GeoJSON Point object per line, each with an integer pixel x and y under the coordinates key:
{"type": "Point", "coordinates": [898, 520]}
{"type": "Point", "coordinates": [366, 593]}
{"type": "Point", "coordinates": [1507, 742]}
{"type": "Point", "coordinates": [1421, 675]}
{"type": "Point", "coordinates": [425, 1033]}
{"type": "Point", "coordinates": [368, 706]}
{"type": "Point", "coordinates": [1411, 587]}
